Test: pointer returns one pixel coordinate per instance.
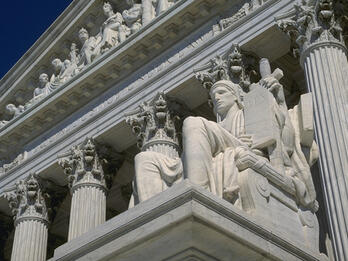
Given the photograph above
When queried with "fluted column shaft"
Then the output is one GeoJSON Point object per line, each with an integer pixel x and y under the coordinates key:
{"type": "Point", "coordinates": [88, 209]}
{"type": "Point", "coordinates": [30, 240]}
{"type": "Point", "coordinates": [326, 70]}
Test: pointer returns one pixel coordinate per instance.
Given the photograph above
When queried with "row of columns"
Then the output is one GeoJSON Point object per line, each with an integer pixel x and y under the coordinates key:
{"type": "Point", "coordinates": [29, 201]}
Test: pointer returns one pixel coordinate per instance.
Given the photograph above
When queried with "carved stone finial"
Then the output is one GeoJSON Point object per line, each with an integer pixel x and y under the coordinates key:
{"type": "Point", "coordinates": [27, 200]}
{"type": "Point", "coordinates": [158, 123]}
{"type": "Point", "coordinates": [235, 65]}
{"type": "Point", "coordinates": [86, 164]}
{"type": "Point", "coordinates": [312, 22]}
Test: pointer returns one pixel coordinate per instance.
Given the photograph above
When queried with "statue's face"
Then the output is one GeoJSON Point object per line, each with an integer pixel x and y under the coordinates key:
{"type": "Point", "coordinates": [83, 35]}
{"type": "Point", "coordinates": [43, 79]}
{"type": "Point", "coordinates": [107, 8]}
{"type": "Point", "coordinates": [57, 64]}
{"type": "Point", "coordinates": [223, 99]}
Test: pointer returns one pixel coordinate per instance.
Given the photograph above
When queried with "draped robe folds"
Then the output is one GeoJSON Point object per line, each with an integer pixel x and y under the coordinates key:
{"type": "Point", "coordinates": [209, 149]}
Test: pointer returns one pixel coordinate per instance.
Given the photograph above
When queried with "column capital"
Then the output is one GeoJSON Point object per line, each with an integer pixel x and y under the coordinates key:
{"type": "Point", "coordinates": [158, 122]}
{"type": "Point", "coordinates": [28, 201]}
{"type": "Point", "coordinates": [311, 24]}
{"type": "Point", "coordinates": [88, 164]}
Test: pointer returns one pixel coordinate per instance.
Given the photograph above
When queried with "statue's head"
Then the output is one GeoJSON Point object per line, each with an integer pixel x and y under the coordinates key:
{"type": "Point", "coordinates": [83, 35]}
{"type": "Point", "coordinates": [11, 108]}
{"type": "Point", "coordinates": [107, 8]}
{"type": "Point", "coordinates": [224, 94]}
{"type": "Point", "coordinates": [57, 64]}
{"type": "Point", "coordinates": [43, 79]}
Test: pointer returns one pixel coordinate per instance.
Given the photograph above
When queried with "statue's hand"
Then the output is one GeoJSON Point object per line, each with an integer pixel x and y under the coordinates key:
{"type": "Point", "coordinates": [271, 84]}
{"type": "Point", "coordinates": [247, 139]}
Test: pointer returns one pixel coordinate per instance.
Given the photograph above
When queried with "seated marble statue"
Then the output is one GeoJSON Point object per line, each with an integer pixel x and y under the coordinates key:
{"type": "Point", "coordinates": [112, 30]}
{"type": "Point", "coordinates": [209, 157]}
{"type": "Point", "coordinates": [89, 51]}
{"type": "Point", "coordinates": [204, 141]}
{"type": "Point", "coordinates": [133, 16]}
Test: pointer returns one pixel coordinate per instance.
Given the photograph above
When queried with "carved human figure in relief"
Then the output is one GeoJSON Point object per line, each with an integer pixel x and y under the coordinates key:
{"type": "Point", "coordinates": [153, 8]}
{"type": "Point", "coordinates": [133, 16]}
{"type": "Point", "coordinates": [63, 71]}
{"type": "Point", "coordinates": [90, 49]}
{"type": "Point", "coordinates": [112, 30]}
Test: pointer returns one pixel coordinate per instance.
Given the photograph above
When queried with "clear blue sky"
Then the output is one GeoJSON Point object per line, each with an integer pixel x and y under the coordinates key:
{"type": "Point", "coordinates": [21, 24]}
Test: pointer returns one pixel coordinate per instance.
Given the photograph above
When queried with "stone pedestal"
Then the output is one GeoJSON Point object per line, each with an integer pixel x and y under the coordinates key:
{"type": "Point", "coordinates": [30, 240]}
{"type": "Point", "coordinates": [185, 222]}
{"type": "Point", "coordinates": [326, 71]}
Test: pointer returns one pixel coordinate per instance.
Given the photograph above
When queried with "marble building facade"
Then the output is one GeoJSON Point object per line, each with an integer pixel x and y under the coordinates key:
{"type": "Point", "coordinates": [179, 130]}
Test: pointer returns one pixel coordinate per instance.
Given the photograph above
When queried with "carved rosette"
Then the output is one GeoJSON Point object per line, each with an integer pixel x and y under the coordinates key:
{"type": "Point", "coordinates": [235, 65]}
{"type": "Point", "coordinates": [314, 22]}
{"type": "Point", "coordinates": [86, 165]}
{"type": "Point", "coordinates": [157, 125]}
{"type": "Point", "coordinates": [28, 201]}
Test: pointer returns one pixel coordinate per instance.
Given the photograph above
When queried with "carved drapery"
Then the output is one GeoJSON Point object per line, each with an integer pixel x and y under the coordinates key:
{"type": "Point", "coordinates": [317, 31]}
{"type": "Point", "coordinates": [86, 166]}
{"type": "Point", "coordinates": [28, 203]}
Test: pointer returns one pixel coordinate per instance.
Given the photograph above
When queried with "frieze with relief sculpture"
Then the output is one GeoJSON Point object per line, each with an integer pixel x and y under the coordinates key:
{"type": "Point", "coordinates": [114, 30]}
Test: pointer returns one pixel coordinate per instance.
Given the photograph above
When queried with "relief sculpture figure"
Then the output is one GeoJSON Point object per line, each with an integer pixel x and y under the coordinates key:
{"type": "Point", "coordinates": [112, 30]}
{"type": "Point", "coordinates": [133, 16]}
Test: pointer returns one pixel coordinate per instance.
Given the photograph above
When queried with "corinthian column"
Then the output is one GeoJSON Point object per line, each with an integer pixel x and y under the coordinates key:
{"type": "Point", "coordinates": [88, 185]}
{"type": "Point", "coordinates": [28, 206]}
{"type": "Point", "coordinates": [316, 33]}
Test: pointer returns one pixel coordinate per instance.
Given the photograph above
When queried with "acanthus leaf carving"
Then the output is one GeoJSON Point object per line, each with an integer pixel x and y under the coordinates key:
{"type": "Point", "coordinates": [158, 122]}
{"type": "Point", "coordinates": [312, 22]}
{"type": "Point", "coordinates": [235, 65]}
{"type": "Point", "coordinates": [90, 164]}
{"type": "Point", "coordinates": [28, 200]}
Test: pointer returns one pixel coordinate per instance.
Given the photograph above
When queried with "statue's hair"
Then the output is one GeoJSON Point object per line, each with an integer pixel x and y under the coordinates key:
{"type": "Point", "coordinates": [83, 30]}
{"type": "Point", "coordinates": [107, 3]}
{"type": "Point", "coordinates": [232, 87]}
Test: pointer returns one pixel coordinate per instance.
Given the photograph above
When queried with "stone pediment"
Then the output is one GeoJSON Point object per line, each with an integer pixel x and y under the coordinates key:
{"type": "Point", "coordinates": [111, 67]}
